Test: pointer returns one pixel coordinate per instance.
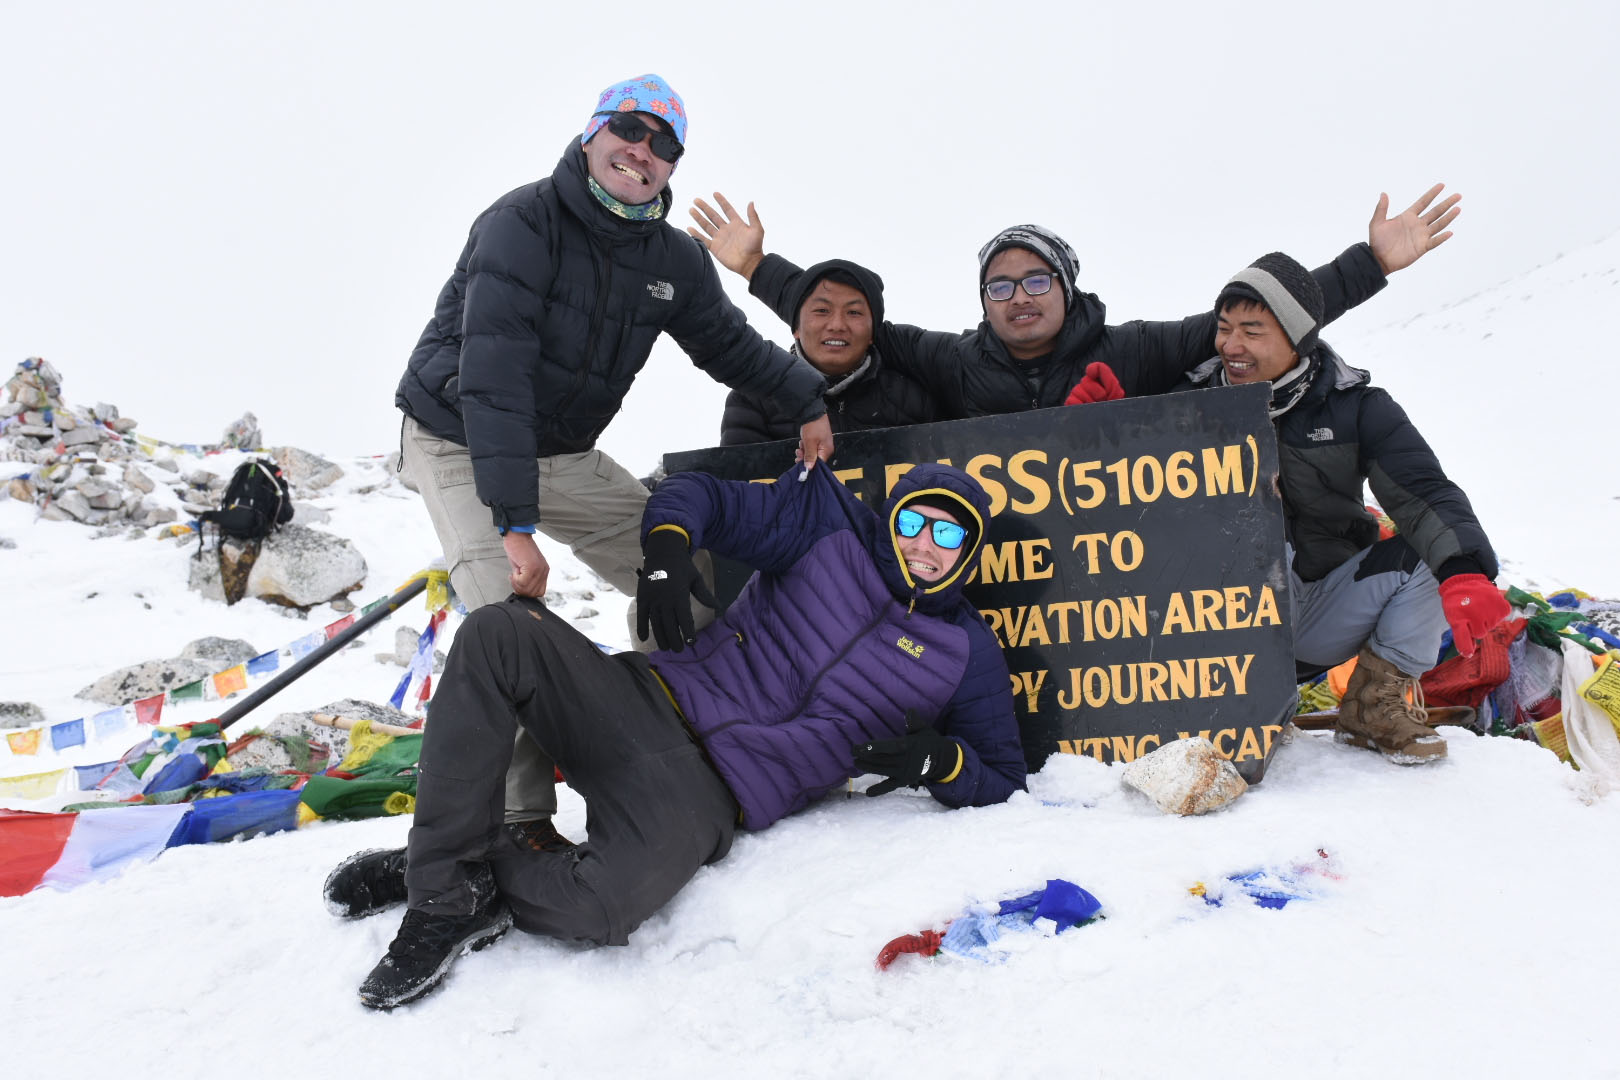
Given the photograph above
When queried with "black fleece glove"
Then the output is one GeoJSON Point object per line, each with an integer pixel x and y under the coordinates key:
{"type": "Point", "coordinates": [664, 590]}
{"type": "Point", "coordinates": [912, 760]}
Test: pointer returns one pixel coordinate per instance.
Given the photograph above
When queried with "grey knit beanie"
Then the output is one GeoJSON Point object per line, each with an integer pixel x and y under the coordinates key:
{"type": "Point", "coordinates": [1287, 290]}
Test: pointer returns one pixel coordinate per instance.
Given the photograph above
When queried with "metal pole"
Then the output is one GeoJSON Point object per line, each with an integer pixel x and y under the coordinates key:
{"type": "Point", "coordinates": [321, 652]}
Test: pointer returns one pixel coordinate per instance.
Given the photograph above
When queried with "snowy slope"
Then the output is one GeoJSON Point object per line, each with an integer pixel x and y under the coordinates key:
{"type": "Point", "coordinates": [1471, 931]}
{"type": "Point", "coordinates": [1513, 388]}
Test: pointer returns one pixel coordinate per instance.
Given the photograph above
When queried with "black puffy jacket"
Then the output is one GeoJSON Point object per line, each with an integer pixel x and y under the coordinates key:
{"type": "Point", "coordinates": [1344, 432]}
{"type": "Point", "coordinates": [553, 308]}
{"type": "Point", "coordinates": [873, 396]}
{"type": "Point", "coordinates": [971, 374]}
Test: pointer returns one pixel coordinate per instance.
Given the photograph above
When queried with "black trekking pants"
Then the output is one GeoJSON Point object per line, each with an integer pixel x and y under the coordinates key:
{"type": "Point", "coordinates": [655, 809]}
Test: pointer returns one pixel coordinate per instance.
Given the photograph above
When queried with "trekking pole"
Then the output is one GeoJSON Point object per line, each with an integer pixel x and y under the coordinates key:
{"type": "Point", "coordinates": [321, 652]}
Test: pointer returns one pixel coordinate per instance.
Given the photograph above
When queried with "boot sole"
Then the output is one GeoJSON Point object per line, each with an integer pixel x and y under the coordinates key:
{"type": "Point", "coordinates": [338, 907]}
{"type": "Point", "coordinates": [1398, 757]}
{"type": "Point", "coordinates": [470, 944]}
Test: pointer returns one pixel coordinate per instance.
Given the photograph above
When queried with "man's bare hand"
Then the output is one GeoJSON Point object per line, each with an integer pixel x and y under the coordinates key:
{"type": "Point", "coordinates": [738, 243]}
{"type": "Point", "coordinates": [815, 442]}
{"type": "Point", "coordinates": [1398, 242]}
{"type": "Point", "coordinates": [529, 568]}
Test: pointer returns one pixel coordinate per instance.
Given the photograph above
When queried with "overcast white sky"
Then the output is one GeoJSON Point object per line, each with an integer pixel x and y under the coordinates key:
{"type": "Point", "coordinates": [213, 207]}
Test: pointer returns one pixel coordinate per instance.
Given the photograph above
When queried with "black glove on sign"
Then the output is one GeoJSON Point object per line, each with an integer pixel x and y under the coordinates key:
{"type": "Point", "coordinates": [664, 590]}
{"type": "Point", "coordinates": [920, 756]}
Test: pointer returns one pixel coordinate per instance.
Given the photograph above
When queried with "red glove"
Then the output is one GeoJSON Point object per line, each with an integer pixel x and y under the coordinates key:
{"type": "Point", "coordinates": [1098, 384]}
{"type": "Point", "coordinates": [1472, 605]}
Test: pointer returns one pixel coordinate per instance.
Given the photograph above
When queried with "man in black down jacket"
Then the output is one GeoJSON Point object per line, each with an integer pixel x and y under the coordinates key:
{"type": "Point", "coordinates": [1387, 602]}
{"type": "Point", "coordinates": [555, 303]}
{"type": "Point", "coordinates": [836, 304]}
{"type": "Point", "coordinates": [1034, 347]}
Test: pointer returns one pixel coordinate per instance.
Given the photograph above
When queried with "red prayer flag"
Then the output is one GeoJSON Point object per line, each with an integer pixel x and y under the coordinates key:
{"type": "Point", "coordinates": [149, 710]}
{"type": "Point", "coordinates": [338, 627]}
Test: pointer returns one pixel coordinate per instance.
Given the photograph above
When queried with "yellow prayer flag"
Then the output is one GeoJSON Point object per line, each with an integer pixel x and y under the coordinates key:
{"type": "Point", "coordinates": [1603, 690]}
{"type": "Point", "coordinates": [24, 742]}
{"type": "Point", "coordinates": [231, 680]}
{"type": "Point", "coordinates": [38, 785]}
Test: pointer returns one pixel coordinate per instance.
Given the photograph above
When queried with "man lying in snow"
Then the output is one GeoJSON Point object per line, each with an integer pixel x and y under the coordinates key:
{"type": "Point", "coordinates": [852, 649]}
{"type": "Point", "coordinates": [1388, 599]}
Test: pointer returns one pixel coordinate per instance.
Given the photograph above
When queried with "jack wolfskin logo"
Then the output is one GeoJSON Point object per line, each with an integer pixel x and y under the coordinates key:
{"type": "Point", "coordinates": [910, 648]}
{"type": "Point", "coordinates": [1321, 434]}
{"type": "Point", "coordinates": [661, 290]}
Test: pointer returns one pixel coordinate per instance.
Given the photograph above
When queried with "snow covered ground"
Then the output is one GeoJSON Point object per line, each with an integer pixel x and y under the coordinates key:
{"type": "Point", "coordinates": [1469, 932]}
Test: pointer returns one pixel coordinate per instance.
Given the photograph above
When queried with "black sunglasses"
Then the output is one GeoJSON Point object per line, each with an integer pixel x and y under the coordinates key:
{"type": "Point", "coordinates": [630, 128]}
{"type": "Point", "coordinates": [1034, 285]}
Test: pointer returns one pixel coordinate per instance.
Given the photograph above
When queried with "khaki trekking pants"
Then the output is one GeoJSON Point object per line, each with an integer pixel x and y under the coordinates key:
{"type": "Point", "coordinates": [588, 501]}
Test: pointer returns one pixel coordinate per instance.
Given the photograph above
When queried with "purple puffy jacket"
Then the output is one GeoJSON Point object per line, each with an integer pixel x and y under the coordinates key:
{"type": "Point", "coordinates": [831, 642]}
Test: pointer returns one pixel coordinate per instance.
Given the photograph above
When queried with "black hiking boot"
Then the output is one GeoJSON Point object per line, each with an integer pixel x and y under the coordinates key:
{"type": "Point", "coordinates": [539, 835]}
{"type": "Point", "coordinates": [366, 883]}
{"type": "Point", "coordinates": [429, 942]}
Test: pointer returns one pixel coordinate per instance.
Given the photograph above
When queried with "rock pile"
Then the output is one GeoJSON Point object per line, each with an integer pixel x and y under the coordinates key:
{"type": "Point", "coordinates": [89, 466]}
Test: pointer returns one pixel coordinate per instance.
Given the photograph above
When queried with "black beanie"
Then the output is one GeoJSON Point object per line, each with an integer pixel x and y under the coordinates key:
{"type": "Point", "coordinates": [856, 276]}
{"type": "Point", "coordinates": [1287, 290]}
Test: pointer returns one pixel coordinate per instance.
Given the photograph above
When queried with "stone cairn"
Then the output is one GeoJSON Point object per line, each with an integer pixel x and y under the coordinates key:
{"type": "Point", "coordinates": [88, 466]}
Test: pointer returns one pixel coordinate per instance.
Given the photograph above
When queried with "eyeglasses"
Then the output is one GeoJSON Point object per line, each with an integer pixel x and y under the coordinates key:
{"type": "Point", "coordinates": [1034, 285]}
{"type": "Point", "coordinates": [947, 534]}
{"type": "Point", "coordinates": [631, 129]}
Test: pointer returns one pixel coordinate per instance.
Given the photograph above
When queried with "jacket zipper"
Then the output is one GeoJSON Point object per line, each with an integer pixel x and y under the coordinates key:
{"type": "Point", "coordinates": [810, 690]}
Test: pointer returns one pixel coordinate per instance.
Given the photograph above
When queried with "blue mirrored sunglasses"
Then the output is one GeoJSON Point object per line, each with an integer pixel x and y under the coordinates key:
{"type": "Point", "coordinates": [947, 534]}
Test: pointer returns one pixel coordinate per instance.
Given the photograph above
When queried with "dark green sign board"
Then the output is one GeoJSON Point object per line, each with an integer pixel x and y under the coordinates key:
{"type": "Point", "coordinates": [1133, 570]}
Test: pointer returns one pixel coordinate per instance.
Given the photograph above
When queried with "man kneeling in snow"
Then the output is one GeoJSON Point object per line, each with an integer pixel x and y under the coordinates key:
{"type": "Point", "coordinates": [1387, 602]}
{"type": "Point", "coordinates": [852, 649]}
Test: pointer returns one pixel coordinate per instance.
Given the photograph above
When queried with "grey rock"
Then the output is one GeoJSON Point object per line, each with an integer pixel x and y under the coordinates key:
{"type": "Point", "coordinates": [153, 514]}
{"type": "Point", "coordinates": [64, 421]}
{"type": "Point", "coordinates": [1187, 776]}
{"type": "Point", "coordinates": [136, 478]}
{"type": "Point", "coordinates": [297, 567]}
{"type": "Point", "coordinates": [222, 652]}
{"type": "Point", "coordinates": [343, 605]}
{"type": "Point", "coordinates": [145, 679]}
{"type": "Point", "coordinates": [34, 431]}
{"type": "Point", "coordinates": [20, 714]}
{"type": "Point", "coordinates": [243, 434]}
{"type": "Point", "coordinates": [309, 514]}
{"type": "Point", "coordinates": [300, 567]}
{"type": "Point", "coordinates": [166, 464]}
{"type": "Point", "coordinates": [75, 506]}
{"type": "Point", "coordinates": [199, 478]}
{"type": "Point", "coordinates": [304, 469]}
{"type": "Point", "coordinates": [7, 544]}
{"type": "Point", "coordinates": [10, 408]}
{"type": "Point", "coordinates": [124, 424]}
{"type": "Point", "coordinates": [104, 411]}
{"type": "Point", "coordinates": [81, 436]}
{"type": "Point", "coordinates": [54, 512]}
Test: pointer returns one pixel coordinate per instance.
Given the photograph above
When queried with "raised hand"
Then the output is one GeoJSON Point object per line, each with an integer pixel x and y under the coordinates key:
{"type": "Point", "coordinates": [1398, 242]}
{"type": "Point", "coordinates": [737, 242]}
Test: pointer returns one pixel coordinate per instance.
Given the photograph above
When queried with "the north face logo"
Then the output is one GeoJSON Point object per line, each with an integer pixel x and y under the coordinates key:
{"type": "Point", "coordinates": [910, 648]}
{"type": "Point", "coordinates": [1321, 434]}
{"type": "Point", "coordinates": [661, 290]}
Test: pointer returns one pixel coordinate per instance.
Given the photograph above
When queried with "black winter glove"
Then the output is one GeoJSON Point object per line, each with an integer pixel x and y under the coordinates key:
{"type": "Point", "coordinates": [916, 758]}
{"type": "Point", "coordinates": [664, 591]}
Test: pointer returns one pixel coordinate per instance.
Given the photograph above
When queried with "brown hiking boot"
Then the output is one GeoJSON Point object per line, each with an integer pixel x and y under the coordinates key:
{"type": "Point", "coordinates": [1383, 710]}
{"type": "Point", "coordinates": [539, 835]}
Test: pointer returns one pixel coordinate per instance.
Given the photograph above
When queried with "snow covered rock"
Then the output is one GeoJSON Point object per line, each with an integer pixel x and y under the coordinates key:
{"type": "Point", "coordinates": [145, 679]}
{"type": "Point", "coordinates": [304, 469]}
{"type": "Point", "coordinates": [225, 652]}
{"type": "Point", "coordinates": [1188, 776]}
{"type": "Point", "coordinates": [297, 567]}
{"type": "Point", "coordinates": [20, 714]}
